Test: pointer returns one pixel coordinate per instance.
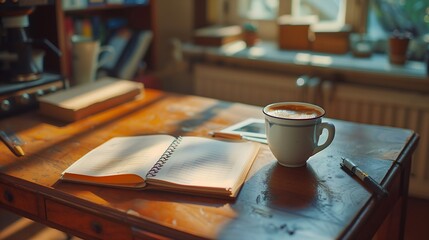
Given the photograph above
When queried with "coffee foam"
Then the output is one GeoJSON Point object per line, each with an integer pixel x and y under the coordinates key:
{"type": "Point", "coordinates": [293, 112]}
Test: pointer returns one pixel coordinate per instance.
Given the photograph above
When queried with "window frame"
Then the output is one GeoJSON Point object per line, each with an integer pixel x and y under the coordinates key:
{"type": "Point", "coordinates": [324, 25]}
{"type": "Point", "coordinates": [355, 16]}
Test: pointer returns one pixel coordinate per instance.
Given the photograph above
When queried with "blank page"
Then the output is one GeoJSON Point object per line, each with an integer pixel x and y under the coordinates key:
{"type": "Point", "coordinates": [122, 155]}
{"type": "Point", "coordinates": [207, 162]}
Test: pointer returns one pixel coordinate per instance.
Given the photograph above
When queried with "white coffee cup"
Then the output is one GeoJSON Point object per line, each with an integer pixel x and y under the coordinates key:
{"type": "Point", "coordinates": [293, 130]}
{"type": "Point", "coordinates": [86, 53]}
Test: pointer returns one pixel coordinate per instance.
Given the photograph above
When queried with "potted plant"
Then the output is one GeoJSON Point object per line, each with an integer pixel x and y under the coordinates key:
{"type": "Point", "coordinates": [398, 46]}
{"type": "Point", "coordinates": [250, 34]}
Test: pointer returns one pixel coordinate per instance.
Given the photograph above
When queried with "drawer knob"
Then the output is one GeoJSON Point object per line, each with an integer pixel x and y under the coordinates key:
{"type": "Point", "coordinates": [8, 196]}
{"type": "Point", "coordinates": [96, 227]}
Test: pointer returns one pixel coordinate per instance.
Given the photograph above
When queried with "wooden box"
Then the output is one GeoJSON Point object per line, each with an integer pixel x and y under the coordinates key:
{"type": "Point", "coordinates": [337, 42]}
{"type": "Point", "coordinates": [295, 33]}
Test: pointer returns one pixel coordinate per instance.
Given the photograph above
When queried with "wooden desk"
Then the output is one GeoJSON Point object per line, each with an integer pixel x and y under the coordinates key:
{"type": "Point", "coordinates": [319, 201]}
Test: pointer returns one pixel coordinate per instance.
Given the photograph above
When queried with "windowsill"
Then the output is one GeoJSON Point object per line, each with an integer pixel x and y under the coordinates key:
{"type": "Point", "coordinates": [372, 70]}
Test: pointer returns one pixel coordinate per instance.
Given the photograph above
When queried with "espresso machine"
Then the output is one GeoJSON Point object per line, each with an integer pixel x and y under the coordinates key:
{"type": "Point", "coordinates": [22, 77]}
{"type": "Point", "coordinates": [16, 51]}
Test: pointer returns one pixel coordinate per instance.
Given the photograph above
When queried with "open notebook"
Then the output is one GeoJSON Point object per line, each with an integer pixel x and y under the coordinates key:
{"type": "Point", "coordinates": [195, 165]}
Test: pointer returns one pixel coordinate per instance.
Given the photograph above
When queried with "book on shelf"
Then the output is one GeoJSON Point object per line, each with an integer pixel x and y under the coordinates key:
{"type": "Point", "coordinates": [132, 56]}
{"type": "Point", "coordinates": [189, 164]}
{"type": "Point", "coordinates": [114, 1]}
{"type": "Point", "coordinates": [83, 100]}
{"type": "Point", "coordinates": [118, 41]}
{"type": "Point", "coordinates": [92, 27]}
{"type": "Point", "coordinates": [96, 2]}
{"type": "Point", "coordinates": [130, 46]}
{"type": "Point", "coordinates": [75, 4]}
{"type": "Point", "coordinates": [141, 2]}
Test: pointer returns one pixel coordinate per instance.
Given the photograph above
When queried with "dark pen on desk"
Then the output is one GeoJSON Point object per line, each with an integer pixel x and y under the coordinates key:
{"type": "Point", "coordinates": [368, 180]}
{"type": "Point", "coordinates": [12, 143]}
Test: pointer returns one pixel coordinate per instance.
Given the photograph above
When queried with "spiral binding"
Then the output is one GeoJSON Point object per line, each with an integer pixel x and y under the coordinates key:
{"type": "Point", "coordinates": [164, 158]}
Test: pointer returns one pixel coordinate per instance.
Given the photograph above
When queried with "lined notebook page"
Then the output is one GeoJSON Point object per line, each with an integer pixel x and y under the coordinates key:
{"type": "Point", "coordinates": [206, 162]}
{"type": "Point", "coordinates": [123, 155]}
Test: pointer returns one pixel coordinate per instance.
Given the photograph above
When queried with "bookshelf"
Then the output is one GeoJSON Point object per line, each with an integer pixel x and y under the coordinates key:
{"type": "Point", "coordinates": [53, 23]}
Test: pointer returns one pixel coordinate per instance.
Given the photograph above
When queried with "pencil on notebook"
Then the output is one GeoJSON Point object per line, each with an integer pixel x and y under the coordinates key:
{"type": "Point", "coordinates": [235, 136]}
{"type": "Point", "coordinates": [14, 147]}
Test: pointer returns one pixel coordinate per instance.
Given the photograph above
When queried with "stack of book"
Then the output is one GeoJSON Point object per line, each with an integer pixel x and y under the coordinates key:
{"type": "Point", "coordinates": [217, 35]}
{"type": "Point", "coordinates": [84, 100]}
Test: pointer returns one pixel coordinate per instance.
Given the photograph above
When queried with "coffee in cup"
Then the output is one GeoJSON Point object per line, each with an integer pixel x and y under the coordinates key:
{"type": "Point", "coordinates": [293, 130]}
{"type": "Point", "coordinates": [294, 111]}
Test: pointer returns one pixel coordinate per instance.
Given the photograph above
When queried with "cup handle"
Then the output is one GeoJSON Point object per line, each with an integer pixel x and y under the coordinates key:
{"type": "Point", "coordinates": [331, 133]}
{"type": "Point", "coordinates": [110, 51]}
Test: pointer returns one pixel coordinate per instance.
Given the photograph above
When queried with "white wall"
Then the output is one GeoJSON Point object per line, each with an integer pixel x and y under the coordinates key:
{"type": "Point", "coordinates": [174, 19]}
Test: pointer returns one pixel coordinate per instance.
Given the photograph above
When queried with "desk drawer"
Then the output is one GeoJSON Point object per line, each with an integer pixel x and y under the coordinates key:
{"type": "Point", "coordinates": [19, 199]}
{"type": "Point", "coordinates": [86, 223]}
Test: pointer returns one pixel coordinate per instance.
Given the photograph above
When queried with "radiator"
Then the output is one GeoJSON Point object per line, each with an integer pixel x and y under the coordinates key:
{"type": "Point", "coordinates": [252, 87]}
{"type": "Point", "coordinates": [342, 101]}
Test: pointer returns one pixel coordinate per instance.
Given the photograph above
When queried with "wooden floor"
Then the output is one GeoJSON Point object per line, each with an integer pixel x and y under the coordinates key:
{"type": "Point", "coordinates": [417, 226]}
{"type": "Point", "coordinates": [13, 227]}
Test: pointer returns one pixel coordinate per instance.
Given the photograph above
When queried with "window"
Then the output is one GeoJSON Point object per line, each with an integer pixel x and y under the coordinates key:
{"type": "Point", "coordinates": [374, 19]}
{"type": "Point", "coordinates": [327, 11]}
{"type": "Point", "coordinates": [330, 13]}
{"type": "Point", "coordinates": [258, 9]}
{"type": "Point", "coordinates": [401, 15]}
{"type": "Point", "coordinates": [264, 13]}
{"type": "Point", "coordinates": [388, 16]}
